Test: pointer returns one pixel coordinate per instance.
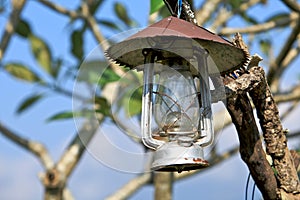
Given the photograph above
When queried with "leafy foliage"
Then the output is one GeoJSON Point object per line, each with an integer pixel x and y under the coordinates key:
{"type": "Point", "coordinates": [77, 44]}
{"type": "Point", "coordinates": [23, 28]}
{"type": "Point", "coordinates": [134, 106]}
{"type": "Point", "coordinates": [108, 76]}
{"type": "Point", "coordinates": [41, 52]}
{"type": "Point", "coordinates": [66, 115]}
{"type": "Point", "coordinates": [156, 5]}
{"type": "Point", "coordinates": [21, 72]}
{"type": "Point", "coordinates": [122, 14]}
{"type": "Point", "coordinates": [28, 102]}
{"type": "Point", "coordinates": [109, 24]}
{"type": "Point", "coordinates": [265, 46]}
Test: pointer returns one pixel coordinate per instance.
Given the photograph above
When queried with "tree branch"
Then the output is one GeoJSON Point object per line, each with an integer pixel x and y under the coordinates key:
{"type": "Point", "coordinates": [163, 183]}
{"type": "Point", "coordinates": [33, 147]}
{"type": "Point", "coordinates": [293, 17]}
{"type": "Point", "coordinates": [60, 9]}
{"type": "Point", "coordinates": [276, 65]}
{"type": "Point", "coordinates": [73, 153]}
{"type": "Point", "coordinates": [292, 95]}
{"type": "Point", "coordinates": [11, 24]}
{"type": "Point", "coordinates": [131, 187]}
{"type": "Point", "coordinates": [206, 10]}
{"type": "Point", "coordinates": [251, 148]}
{"type": "Point", "coordinates": [224, 15]}
{"type": "Point", "coordinates": [275, 136]}
{"type": "Point", "coordinates": [99, 36]}
{"type": "Point", "coordinates": [292, 4]}
{"type": "Point", "coordinates": [55, 178]}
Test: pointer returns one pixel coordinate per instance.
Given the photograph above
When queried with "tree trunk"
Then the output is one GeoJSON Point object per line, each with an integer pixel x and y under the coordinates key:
{"type": "Point", "coordinates": [163, 185]}
{"type": "Point", "coordinates": [251, 148]}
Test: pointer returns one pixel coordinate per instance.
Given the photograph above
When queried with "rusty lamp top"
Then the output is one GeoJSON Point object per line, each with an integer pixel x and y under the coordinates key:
{"type": "Point", "coordinates": [225, 55]}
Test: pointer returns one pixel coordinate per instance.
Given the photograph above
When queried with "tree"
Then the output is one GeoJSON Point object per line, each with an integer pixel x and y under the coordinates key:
{"type": "Point", "coordinates": [49, 71]}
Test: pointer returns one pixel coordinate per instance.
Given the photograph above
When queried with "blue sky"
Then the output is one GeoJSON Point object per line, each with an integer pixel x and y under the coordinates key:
{"type": "Point", "coordinates": [93, 179]}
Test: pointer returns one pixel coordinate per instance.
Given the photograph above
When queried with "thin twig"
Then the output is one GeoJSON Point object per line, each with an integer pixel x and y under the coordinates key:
{"type": "Point", "coordinates": [274, 66]}
{"type": "Point", "coordinates": [206, 10]}
{"type": "Point", "coordinates": [60, 9]}
{"type": "Point", "coordinates": [99, 37]}
{"type": "Point", "coordinates": [224, 15]}
{"type": "Point", "coordinates": [292, 95]}
{"type": "Point", "coordinates": [261, 27]}
{"type": "Point", "coordinates": [11, 24]}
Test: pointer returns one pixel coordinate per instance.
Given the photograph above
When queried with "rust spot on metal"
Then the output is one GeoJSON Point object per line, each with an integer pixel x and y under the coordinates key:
{"type": "Point", "coordinates": [197, 160]}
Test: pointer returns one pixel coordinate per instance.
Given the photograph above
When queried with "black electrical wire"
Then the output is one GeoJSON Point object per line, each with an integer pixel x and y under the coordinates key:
{"type": "Point", "coordinates": [247, 185]}
{"type": "Point", "coordinates": [253, 190]}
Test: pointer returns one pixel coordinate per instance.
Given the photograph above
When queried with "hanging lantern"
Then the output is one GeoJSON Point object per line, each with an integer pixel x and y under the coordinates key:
{"type": "Point", "coordinates": [177, 58]}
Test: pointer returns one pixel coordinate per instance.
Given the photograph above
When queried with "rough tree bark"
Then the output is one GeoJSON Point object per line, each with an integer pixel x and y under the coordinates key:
{"type": "Point", "coordinates": [251, 148]}
{"type": "Point", "coordinates": [275, 138]}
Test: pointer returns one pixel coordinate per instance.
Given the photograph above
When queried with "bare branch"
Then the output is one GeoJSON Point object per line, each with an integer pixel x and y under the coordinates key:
{"type": "Point", "coordinates": [163, 184]}
{"type": "Point", "coordinates": [289, 110]}
{"type": "Point", "coordinates": [73, 153]}
{"type": "Point", "coordinates": [292, 95]}
{"type": "Point", "coordinates": [224, 15]}
{"type": "Point", "coordinates": [33, 147]}
{"type": "Point", "coordinates": [280, 58]}
{"type": "Point", "coordinates": [60, 9]}
{"type": "Point", "coordinates": [131, 187]}
{"type": "Point", "coordinates": [99, 36]}
{"type": "Point", "coordinates": [294, 134]}
{"type": "Point", "coordinates": [292, 4]}
{"type": "Point", "coordinates": [11, 24]}
{"type": "Point", "coordinates": [206, 10]}
{"type": "Point", "coordinates": [293, 17]}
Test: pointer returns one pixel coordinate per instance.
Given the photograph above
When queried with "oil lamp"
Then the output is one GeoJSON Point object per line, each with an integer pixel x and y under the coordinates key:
{"type": "Point", "coordinates": [177, 59]}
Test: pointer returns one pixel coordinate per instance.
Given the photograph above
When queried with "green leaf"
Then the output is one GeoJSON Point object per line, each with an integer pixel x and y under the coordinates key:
{"type": "Point", "coordinates": [28, 102]}
{"type": "Point", "coordinates": [90, 71]}
{"type": "Point", "coordinates": [265, 46]}
{"type": "Point", "coordinates": [121, 12]}
{"type": "Point", "coordinates": [278, 16]}
{"type": "Point", "coordinates": [94, 5]}
{"type": "Point", "coordinates": [70, 115]}
{"type": "Point", "coordinates": [61, 116]}
{"type": "Point", "coordinates": [134, 101]}
{"type": "Point", "coordinates": [102, 106]}
{"type": "Point", "coordinates": [248, 18]}
{"type": "Point", "coordinates": [108, 76]}
{"type": "Point", "coordinates": [164, 12]}
{"type": "Point", "coordinates": [235, 4]}
{"type": "Point", "coordinates": [156, 5]}
{"type": "Point", "coordinates": [77, 44]}
{"type": "Point", "coordinates": [23, 28]}
{"type": "Point", "coordinates": [41, 52]}
{"type": "Point", "coordinates": [21, 72]}
{"type": "Point", "coordinates": [109, 24]}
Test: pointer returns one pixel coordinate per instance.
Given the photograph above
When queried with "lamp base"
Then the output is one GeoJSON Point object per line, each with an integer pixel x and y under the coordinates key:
{"type": "Point", "coordinates": [173, 157]}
